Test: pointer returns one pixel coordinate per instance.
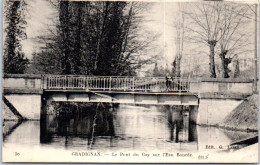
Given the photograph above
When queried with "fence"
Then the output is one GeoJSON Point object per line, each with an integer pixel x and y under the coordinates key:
{"type": "Point", "coordinates": [147, 84]}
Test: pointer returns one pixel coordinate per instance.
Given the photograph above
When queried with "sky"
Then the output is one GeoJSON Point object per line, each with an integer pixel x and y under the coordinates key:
{"type": "Point", "coordinates": [162, 16]}
{"type": "Point", "coordinates": [39, 17]}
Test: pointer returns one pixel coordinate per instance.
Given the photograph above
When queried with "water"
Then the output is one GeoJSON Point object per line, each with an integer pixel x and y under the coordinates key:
{"type": "Point", "coordinates": [129, 128]}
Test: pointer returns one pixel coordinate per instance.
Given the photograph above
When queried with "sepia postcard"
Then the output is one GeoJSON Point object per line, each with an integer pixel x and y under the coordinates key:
{"type": "Point", "coordinates": [159, 81]}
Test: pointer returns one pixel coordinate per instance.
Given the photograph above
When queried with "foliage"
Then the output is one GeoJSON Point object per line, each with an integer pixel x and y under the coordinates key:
{"type": "Point", "coordinates": [95, 38]}
{"type": "Point", "coordinates": [160, 72]}
{"type": "Point", "coordinates": [14, 60]}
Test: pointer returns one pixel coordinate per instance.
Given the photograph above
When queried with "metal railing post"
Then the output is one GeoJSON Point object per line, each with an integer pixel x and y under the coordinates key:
{"type": "Point", "coordinates": [124, 83]}
{"type": "Point", "coordinates": [110, 81]}
{"type": "Point", "coordinates": [84, 83]}
{"type": "Point", "coordinates": [49, 82]}
{"type": "Point", "coordinates": [87, 86]}
{"type": "Point", "coordinates": [65, 82]}
{"type": "Point", "coordinates": [104, 84]}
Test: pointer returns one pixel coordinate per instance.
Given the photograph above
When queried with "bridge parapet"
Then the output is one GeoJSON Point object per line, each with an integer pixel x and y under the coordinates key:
{"type": "Point", "coordinates": [22, 81]}
{"type": "Point", "coordinates": [221, 85]}
{"type": "Point", "coordinates": [134, 84]}
{"type": "Point", "coordinates": [146, 84]}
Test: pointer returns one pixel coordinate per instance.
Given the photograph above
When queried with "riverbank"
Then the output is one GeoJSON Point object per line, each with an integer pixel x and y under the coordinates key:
{"type": "Point", "coordinates": [244, 117]}
{"type": "Point", "coordinates": [7, 114]}
{"type": "Point", "coordinates": [230, 114]}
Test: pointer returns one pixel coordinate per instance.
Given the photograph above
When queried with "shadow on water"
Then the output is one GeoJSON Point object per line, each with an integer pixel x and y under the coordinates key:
{"type": "Point", "coordinates": [181, 128]}
{"type": "Point", "coordinates": [86, 125]}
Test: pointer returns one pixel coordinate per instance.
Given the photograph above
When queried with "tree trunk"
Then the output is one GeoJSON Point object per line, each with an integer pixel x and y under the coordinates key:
{"type": "Point", "coordinates": [64, 24]}
{"type": "Point", "coordinates": [237, 69]}
{"type": "Point", "coordinates": [212, 45]}
{"type": "Point", "coordinates": [77, 64]}
{"type": "Point", "coordinates": [225, 62]}
{"type": "Point", "coordinates": [178, 67]}
{"type": "Point", "coordinates": [100, 34]}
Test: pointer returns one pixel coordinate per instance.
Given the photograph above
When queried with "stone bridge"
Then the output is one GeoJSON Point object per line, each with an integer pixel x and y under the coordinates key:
{"type": "Point", "coordinates": [29, 94]}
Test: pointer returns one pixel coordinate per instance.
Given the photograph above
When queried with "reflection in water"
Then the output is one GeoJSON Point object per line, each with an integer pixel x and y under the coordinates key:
{"type": "Point", "coordinates": [84, 125]}
{"type": "Point", "coordinates": [126, 123]}
{"type": "Point", "coordinates": [128, 128]}
{"type": "Point", "coordinates": [181, 129]}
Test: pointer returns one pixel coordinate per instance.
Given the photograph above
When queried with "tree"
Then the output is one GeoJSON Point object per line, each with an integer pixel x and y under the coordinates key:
{"type": "Point", "coordinates": [14, 60]}
{"type": "Point", "coordinates": [136, 42]}
{"type": "Point", "coordinates": [179, 41]}
{"type": "Point", "coordinates": [160, 72]}
{"type": "Point", "coordinates": [98, 38]}
{"type": "Point", "coordinates": [237, 70]}
{"type": "Point", "coordinates": [111, 39]}
{"type": "Point", "coordinates": [173, 74]}
{"type": "Point", "coordinates": [234, 40]}
{"type": "Point", "coordinates": [221, 25]}
{"type": "Point", "coordinates": [48, 61]}
{"type": "Point", "coordinates": [64, 35]}
{"type": "Point", "coordinates": [204, 25]}
{"type": "Point", "coordinates": [156, 72]}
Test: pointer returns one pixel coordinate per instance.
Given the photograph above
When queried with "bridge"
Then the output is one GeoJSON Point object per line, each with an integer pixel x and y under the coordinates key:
{"type": "Point", "coordinates": [131, 90]}
{"type": "Point", "coordinates": [30, 94]}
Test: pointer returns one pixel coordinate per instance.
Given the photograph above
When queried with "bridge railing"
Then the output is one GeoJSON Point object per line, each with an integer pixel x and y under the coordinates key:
{"type": "Point", "coordinates": [147, 84]}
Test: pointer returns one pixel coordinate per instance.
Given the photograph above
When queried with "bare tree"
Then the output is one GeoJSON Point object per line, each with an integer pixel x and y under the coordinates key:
{"type": "Point", "coordinates": [179, 41]}
{"type": "Point", "coordinates": [204, 27]}
{"type": "Point", "coordinates": [234, 39]}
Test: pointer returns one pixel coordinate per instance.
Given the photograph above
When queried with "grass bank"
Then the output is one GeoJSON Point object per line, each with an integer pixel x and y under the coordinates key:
{"type": "Point", "coordinates": [244, 117]}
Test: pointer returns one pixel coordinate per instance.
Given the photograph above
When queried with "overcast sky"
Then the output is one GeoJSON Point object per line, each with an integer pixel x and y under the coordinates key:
{"type": "Point", "coordinates": [39, 17]}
